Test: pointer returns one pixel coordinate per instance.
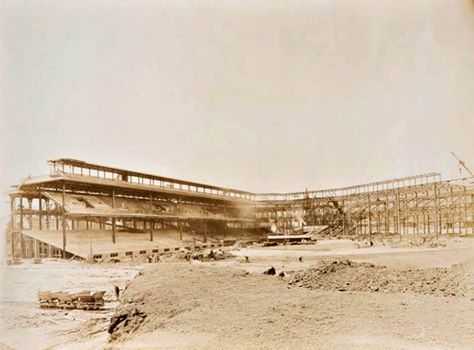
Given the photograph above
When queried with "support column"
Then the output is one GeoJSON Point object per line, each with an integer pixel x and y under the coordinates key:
{"type": "Point", "coordinates": [113, 230]}
{"type": "Point", "coordinates": [437, 216]}
{"type": "Point", "coordinates": [12, 214]}
{"type": "Point", "coordinates": [113, 219]}
{"type": "Point", "coordinates": [452, 210]}
{"type": "Point", "coordinates": [428, 222]}
{"type": "Point", "coordinates": [378, 222]}
{"type": "Point", "coordinates": [406, 218]}
{"type": "Point", "coordinates": [22, 243]}
{"type": "Point", "coordinates": [417, 219]}
{"type": "Point", "coordinates": [13, 234]}
{"type": "Point", "coordinates": [370, 215]}
{"type": "Point", "coordinates": [399, 231]}
{"type": "Point", "coordinates": [64, 219]}
{"type": "Point", "coordinates": [151, 231]}
{"type": "Point", "coordinates": [12, 225]}
{"type": "Point", "coordinates": [21, 212]}
{"type": "Point", "coordinates": [40, 208]}
{"type": "Point", "coordinates": [465, 211]}
{"type": "Point", "coordinates": [30, 217]}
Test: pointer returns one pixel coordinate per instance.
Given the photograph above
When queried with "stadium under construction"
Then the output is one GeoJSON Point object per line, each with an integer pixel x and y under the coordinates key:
{"type": "Point", "coordinates": [93, 211]}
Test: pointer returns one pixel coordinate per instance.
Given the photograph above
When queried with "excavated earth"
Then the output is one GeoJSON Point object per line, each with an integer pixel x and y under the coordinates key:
{"type": "Point", "coordinates": [347, 275]}
{"type": "Point", "coordinates": [335, 304]}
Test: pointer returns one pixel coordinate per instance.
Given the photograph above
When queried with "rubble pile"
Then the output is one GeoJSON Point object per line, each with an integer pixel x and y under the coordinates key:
{"type": "Point", "coordinates": [206, 255]}
{"type": "Point", "coordinates": [347, 275]}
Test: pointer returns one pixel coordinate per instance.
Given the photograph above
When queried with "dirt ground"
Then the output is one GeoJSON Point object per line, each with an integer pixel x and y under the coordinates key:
{"type": "Point", "coordinates": [24, 325]}
{"type": "Point", "coordinates": [231, 304]}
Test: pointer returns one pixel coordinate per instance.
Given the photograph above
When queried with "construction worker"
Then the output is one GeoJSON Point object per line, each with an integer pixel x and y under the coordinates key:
{"type": "Point", "coordinates": [117, 292]}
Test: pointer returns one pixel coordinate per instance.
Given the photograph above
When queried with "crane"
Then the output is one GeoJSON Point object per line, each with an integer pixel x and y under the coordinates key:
{"type": "Point", "coordinates": [463, 164]}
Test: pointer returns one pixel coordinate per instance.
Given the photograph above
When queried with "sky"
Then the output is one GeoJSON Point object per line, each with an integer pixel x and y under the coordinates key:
{"type": "Point", "coordinates": [264, 96]}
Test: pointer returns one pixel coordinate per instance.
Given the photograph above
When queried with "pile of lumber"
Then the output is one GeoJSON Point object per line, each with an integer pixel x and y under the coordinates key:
{"type": "Point", "coordinates": [85, 300]}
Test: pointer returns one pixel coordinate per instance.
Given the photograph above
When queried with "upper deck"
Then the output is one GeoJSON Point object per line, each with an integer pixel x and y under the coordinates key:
{"type": "Point", "coordinates": [96, 175]}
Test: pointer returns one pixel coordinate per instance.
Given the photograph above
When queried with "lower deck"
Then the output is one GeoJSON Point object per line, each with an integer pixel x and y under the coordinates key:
{"type": "Point", "coordinates": [98, 245]}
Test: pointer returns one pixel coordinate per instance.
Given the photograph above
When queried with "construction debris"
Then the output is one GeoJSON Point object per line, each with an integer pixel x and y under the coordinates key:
{"type": "Point", "coordinates": [85, 300]}
{"type": "Point", "coordinates": [206, 255]}
{"type": "Point", "coordinates": [270, 271]}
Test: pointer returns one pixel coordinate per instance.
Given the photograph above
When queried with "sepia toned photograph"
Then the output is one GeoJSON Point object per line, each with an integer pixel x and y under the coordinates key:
{"type": "Point", "coordinates": [233, 174]}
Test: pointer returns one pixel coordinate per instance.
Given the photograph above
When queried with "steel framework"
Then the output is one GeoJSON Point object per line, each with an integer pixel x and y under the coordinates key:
{"type": "Point", "coordinates": [415, 205]}
{"type": "Point", "coordinates": [83, 196]}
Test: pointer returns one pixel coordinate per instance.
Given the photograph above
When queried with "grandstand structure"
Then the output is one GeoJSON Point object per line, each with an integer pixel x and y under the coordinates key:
{"type": "Point", "coordinates": [93, 211]}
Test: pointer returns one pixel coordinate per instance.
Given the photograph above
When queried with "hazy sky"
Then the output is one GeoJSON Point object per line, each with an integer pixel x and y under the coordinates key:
{"type": "Point", "coordinates": [260, 95]}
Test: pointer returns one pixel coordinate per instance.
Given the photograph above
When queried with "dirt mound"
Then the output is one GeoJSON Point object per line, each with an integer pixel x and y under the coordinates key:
{"type": "Point", "coordinates": [205, 306]}
{"type": "Point", "coordinates": [347, 275]}
{"type": "Point", "coordinates": [428, 242]}
{"type": "Point", "coordinates": [159, 294]}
